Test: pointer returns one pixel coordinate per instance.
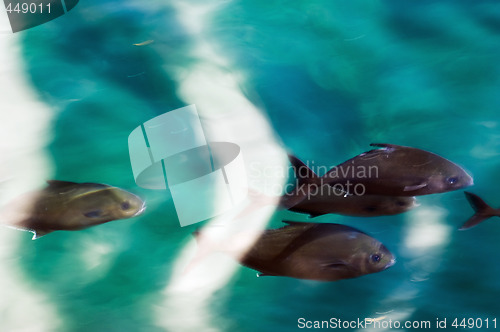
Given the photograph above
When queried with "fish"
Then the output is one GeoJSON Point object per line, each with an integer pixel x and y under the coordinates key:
{"type": "Point", "coordinates": [69, 206]}
{"type": "Point", "coordinates": [319, 200]}
{"type": "Point", "coordinates": [354, 205]}
{"type": "Point", "coordinates": [335, 202]}
{"type": "Point", "coordinates": [394, 170]}
{"type": "Point", "coordinates": [482, 210]}
{"type": "Point", "coordinates": [317, 251]}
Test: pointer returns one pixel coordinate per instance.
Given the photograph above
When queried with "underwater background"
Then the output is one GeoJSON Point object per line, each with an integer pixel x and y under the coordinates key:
{"type": "Point", "coordinates": [329, 77]}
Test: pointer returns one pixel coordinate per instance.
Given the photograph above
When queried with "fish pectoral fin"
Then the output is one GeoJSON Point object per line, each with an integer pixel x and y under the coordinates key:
{"type": "Point", "coordinates": [415, 187]}
{"type": "Point", "coordinates": [39, 233]}
{"type": "Point", "coordinates": [334, 265]}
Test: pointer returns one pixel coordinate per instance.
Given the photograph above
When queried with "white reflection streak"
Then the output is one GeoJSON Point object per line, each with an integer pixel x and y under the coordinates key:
{"type": "Point", "coordinates": [227, 116]}
{"type": "Point", "coordinates": [24, 121]}
{"type": "Point", "coordinates": [426, 237]}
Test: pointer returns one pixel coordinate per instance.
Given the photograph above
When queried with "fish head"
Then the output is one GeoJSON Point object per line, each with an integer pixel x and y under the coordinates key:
{"type": "Point", "coordinates": [350, 254]}
{"type": "Point", "coordinates": [375, 258]}
{"type": "Point", "coordinates": [438, 174]}
{"type": "Point", "coordinates": [101, 205]}
{"type": "Point", "coordinates": [422, 172]}
{"type": "Point", "coordinates": [366, 255]}
{"type": "Point", "coordinates": [451, 178]}
{"type": "Point", "coordinates": [125, 204]}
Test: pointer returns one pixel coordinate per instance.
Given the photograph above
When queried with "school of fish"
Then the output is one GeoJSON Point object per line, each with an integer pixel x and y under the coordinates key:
{"type": "Point", "coordinates": [322, 251]}
{"type": "Point", "coordinates": [302, 250]}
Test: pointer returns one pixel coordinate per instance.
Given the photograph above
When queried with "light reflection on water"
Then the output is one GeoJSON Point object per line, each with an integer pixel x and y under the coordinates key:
{"type": "Point", "coordinates": [25, 122]}
{"type": "Point", "coordinates": [346, 76]}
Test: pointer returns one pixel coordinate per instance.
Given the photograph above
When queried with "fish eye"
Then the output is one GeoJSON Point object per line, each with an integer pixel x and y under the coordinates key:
{"type": "Point", "coordinates": [400, 203]}
{"type": "Point", "coordinates": [452, 180]}
{"type": "Point", "coordinates": [93, 214]}
{"type": "Point", "coordinates": [375, 258]}
{"type": "Point", "coordinates": [125, 205]}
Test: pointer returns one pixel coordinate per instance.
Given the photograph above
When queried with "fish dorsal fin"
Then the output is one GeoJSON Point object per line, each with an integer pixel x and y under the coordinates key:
{"type": "Point", "coordinates": [385, 145]}
{"type": "Point", "coordinates": [377, 153]}
{"type": "Point", "coordinates": [302, 171]}
{"type": "Point", "coordinates": [59, 184]}
{"type": "Point", "coordinates": [39, 233]}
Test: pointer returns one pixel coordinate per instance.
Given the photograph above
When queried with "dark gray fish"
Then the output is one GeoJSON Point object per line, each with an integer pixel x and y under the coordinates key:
{"type": "Point", "coordinates": [314, 198]}
{"type": "Point", "coordinates": [317, 251]}
{"type": "Point", "coordinates": [70, 206]}
{"type": "Point", "coordinates": [482, 209]}
{"type": "Point", "coordinates": [399, 171]}
{"type": "Point", "coordinates": [353, 205]}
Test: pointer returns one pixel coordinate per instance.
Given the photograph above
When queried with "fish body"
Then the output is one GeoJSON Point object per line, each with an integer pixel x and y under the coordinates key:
{"type": "Point", "coordinates": [317, 251]}
{"type": "Point", "coordinates": [400, 171]}
{"type": "Point", "coordinates": [393, 170]}
{"type": "Point", "coordinates": [482, 209]}
{"type": "Point", "coordinates": [70, 206]}
{"type": "Point", "coordinates": [313, 197]}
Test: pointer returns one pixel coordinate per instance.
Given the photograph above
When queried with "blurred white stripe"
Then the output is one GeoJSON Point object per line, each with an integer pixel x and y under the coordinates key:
{"type": "Point", "coordinates": [24, 122]}
{"type": "Point", "coordinates": [227, 115]}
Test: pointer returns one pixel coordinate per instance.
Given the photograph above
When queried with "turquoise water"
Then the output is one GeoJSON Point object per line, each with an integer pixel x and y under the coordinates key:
{"type": "Point", "coordinates": [332, 77]}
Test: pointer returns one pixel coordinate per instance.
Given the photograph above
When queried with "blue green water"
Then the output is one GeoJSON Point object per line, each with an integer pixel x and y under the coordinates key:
{"type": "Point", "coordinates": [332, 77]}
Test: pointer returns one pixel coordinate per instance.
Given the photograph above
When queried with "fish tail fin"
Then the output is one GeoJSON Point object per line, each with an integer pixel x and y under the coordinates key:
{"type": "Point", "coordinates": [473, 221]}
{"type": "Point", "coordinates": [482, 209]}
{"type": "Point", "coordinates": [303, 172]}
{"type": "Point", "coordinates": [305, 176]}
